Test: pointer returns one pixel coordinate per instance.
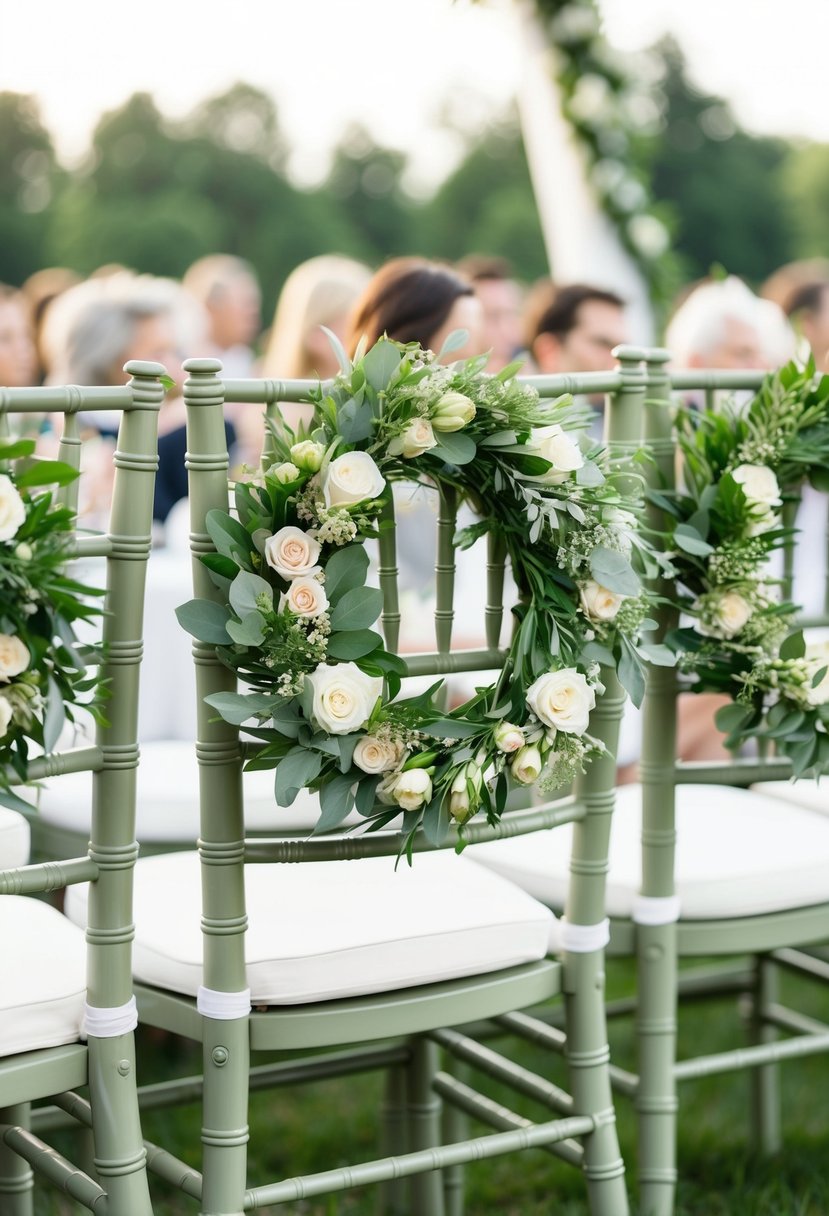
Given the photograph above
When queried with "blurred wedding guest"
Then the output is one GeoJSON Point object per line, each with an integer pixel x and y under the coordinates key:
{"type": "Point", "coordinates": [501, 298]}
{"type": "Point", "coordinates": [227, 289]}
{"type": "Point", "coordinates": [722, 324]}
{"type": "Point", "coordinates": [573, 328]}
{"type": "Point", "coordinates": [780, 286]}
{"type": "Point", "coordinates": [808, 310]}
{"type": "Point", "coordinates": [18, 358]}
{"type": "Point", "coordinates": [40, 289]}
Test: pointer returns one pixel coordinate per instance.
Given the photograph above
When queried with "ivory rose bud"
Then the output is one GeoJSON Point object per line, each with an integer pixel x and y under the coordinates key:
{"type": "Point", "coordinates": [724, 615]}
{"type": "Point", "coordinates": [304, 597]}
{"type": "Point", "coordinates": [12, 509]}
{"type": "Point", "coordinates": [374, 755]}
{"type": "Point", "coordinates": [307, 455]}
{"type": "Point", "coordinates": [817, 656]}
{"type": "Point", "coordinates": [412, 789]}
{"type": "Point", "coordinates": [759, 485]}
{"type": "Point", "coordinates": [344, 696]}
{"type": "Point", "coordinates": [562, 699]}
{"type": "Point", "coordinates": [352, 478]}
{"type": "Point", "coordinates": [292, 553]}
{"type": "Point", "coordinates": [23, 552]}
{"type": "Point", "coordinates": [527, 765]}
{"type": "Point", "coordinates": [284, 473]}
{"type": "Point", "coordinates": [415, 440]}
{"type": "Point", "coordinates": [599, 603]}
{"type": "Point", "coordinates": [5, 715]}
{"type": "Point", "coordinates": [14, 657]}
{"type": "Point", "coordinates": [508, 737]}
{"type": "Point", "coordinates": [563, 452]}
{"type": "Point", "coordinates": [452, 412]}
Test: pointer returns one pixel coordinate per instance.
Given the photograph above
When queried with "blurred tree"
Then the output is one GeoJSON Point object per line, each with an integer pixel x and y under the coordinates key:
{"type": "Point", "coordinates": [28, 183]}
{"type": "Point", "coordinates": [805, 180]}
{"type": "Point", "coordinates": [364, 183]}
{"type": "Point", "coordinates": [242, 119]}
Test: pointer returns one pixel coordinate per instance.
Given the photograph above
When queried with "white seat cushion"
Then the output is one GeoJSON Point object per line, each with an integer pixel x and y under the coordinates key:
{"type": "Point", "coordinates": [738, 854]}
{"type": "Point", "coordinates": [43, 991]}
{"type": "Point", "coordinates": [14, 838]}
{"type": "Point", "coordinates": [811, 794]}
{"type": "Point", "coordinates": [325, 930]}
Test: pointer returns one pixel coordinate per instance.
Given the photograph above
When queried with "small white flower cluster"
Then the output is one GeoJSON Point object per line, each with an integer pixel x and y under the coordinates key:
{"type": "Point", "coordinates": [14, 655]}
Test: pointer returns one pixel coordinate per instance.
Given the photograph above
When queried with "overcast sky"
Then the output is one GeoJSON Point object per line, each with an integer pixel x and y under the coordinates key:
{"type": "Point", "coordinates": [389, 64]}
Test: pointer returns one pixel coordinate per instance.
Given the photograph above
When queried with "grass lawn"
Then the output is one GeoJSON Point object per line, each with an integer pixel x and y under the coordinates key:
{"type": "Point", "coordinates": [295, 1130]}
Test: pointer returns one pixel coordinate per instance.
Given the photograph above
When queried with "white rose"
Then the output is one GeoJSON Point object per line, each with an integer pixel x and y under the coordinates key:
{"type": "Point", "coordinates": [554, 444]}
{"type": "Point", "coordinates": [352, 478]}
{"type": "Point", "coordinates": [304, 597]}
{"type": "Point", "coordinates": [14, 657]}
{"type": "Point", "coordinates": [725, 615]}
{"type": "Point", "coordinates": [12, 508]}
{"type": "Point", "coordinates": [375, 755]}
{"type": "Point", "coordinates": [415, 440]}
{"type": "Point", "coordinates": [759, 485]}
{"type": "Point", "coordinates": [508, 737]}
{"type": "Point", "coordinates": [817, 656]}
{"type": "Point", "coordinates": [292, 552]}
{"type": "Point", "coordinates": [344, 696]}
{"type": "Point", "coordinates": [307, 455]}
{"type": "Point", "coordinates": [284, 473]}
{"type": "Point", "coordinates": [452, 412]}
{"type": "Point", "coordinates": [762, 522]}
{"type": "Point", "coordinates": [598, 602]}
{"type": "Point", "coordinates": [623, 525]}
{"type": "Point", "coordinates": [562, 699]}
{"type": "Point", "coordinates": [5, 715]}
{"type": "Point", "coordinates": [412, 789]}
{"type": "Point", "coordinates": [527, 765]}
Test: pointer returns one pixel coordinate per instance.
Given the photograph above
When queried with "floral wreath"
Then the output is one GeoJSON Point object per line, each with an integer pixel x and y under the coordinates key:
{"type": "Point", "coordinates": [296, 623]}
{"type": "Point", "coordinates": [739, 467]}
{"type": "Point", "coordinates": [43, 671]}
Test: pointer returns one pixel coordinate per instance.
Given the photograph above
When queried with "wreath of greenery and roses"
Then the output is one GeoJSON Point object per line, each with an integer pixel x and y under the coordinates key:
{"type": "Point", "coordinates": [43, 671]}
{"type": "Point", "coordinates": [724, 524]}
{"type": "Point", "coordinates": [296, 624]}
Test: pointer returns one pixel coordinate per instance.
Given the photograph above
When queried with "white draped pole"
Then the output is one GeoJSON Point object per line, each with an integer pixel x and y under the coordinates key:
{"type": "Point", "coordinates": [581, 240]}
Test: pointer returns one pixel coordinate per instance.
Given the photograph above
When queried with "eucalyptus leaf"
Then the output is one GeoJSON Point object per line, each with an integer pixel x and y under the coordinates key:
{"type": "Point", "coordinates": [613, 570]}
{"type": "Point", "coordinates": [689, 540]}
{"type": "Point", "coordinates": [354, 645]}
{"type": "Point", "coordinates": [205, 620]}
{"type": "Point", "coordinates": [454, 447]}
{"type": "Point", "coordinates": [244, 591]}
{"type": "Point", "coordinates": [345, 570]}
{"type": "Point", "coordinates": [355, 421]}
{"type": "Point", "coordinates": [228, 535]}
{"type": "Point", "coordinates": [237, 708]}
{"type": "Point", "coordinates": [453, 342]}
{"type": "Point", "coordinates": [54, 716]}
{"type": "Point", "coordinates": [294, 772]}
{"type": "Point", "coordinates": [247, 632]}
{"type": "Point", "coordinates": [380, 364]}
{"type": "Point", "coordinates": [436, 821]}
{"type": "Point", "coordinates": [46, 473]}
{"type": "Point", "coordinates": [631, 675]}
{"type": "Point", "coordinates": [336, 803]}
{"type": "Point", "coordinates": [357, 609]}
{"type": "Point", "coordinates": [794, 646]}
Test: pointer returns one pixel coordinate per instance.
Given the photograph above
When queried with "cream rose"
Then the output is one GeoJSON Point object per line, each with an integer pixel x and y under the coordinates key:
{"type": "Point", "coordinates": [352, 478]}
{"type": "Point", "coordinates": [817, 657]}
{"type": "Point", "coordinates": [599, 603]}
{"type": "Point", "coordinates": [14, 657]}
{"type": "Point", "coordinates": [562, 699]}
{"type": "Point", "coordinates": [412, 789]}
{"type": "Point", "coordinates": [563, 452]}
{"type": "Point", "coordinates": [307, 455]}
{"type": "Point", "coordinates": [284, 473]}
{"type": "Point", "coordinates": [344, 696]}
{"type": "Point", "coordinates": [12, 508]}
{"type": "Point", "coordinates": [759, 485]}
{"type": "Point", "coordinates": [415, 440]}
{"type": "Point", "coordinates": [374, 755]}
{"type": "Point", "coordinates": [527, 765]}
{"type": "Point", "coordinates": [304, 597]}
{"type": "Point", "coordinates": [5, 715]}
{"type": "Point", "coordinates": [508, 737]}
{"type": "Point", "coordinates": [724, 616]}
{"type": "Point", "coordinates": [452, 412]}
{"type": "Point", "coordinates": [292, 553]}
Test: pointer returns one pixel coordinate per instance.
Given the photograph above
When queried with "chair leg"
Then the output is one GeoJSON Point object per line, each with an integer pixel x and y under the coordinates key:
{"type": "Point", "coordinates": [588, 1057]}
{"type": "Point", "coordinates": [120, 1157]}
{"type": "Point", "coordinates": [455, 1129]}
{"type": "Point", "coordinates": [656, 1101]}
{"type": "Point", "coordinates": [393, 1197]}
{"type": "Point", "coordinates": [226, 1054]}
{"type": "Point", "coordinates": [16, 1178]}
{"type": "Point", "coordinates": [765, 1081]}
{"type": "Point", "coordinates": [424, 1109]}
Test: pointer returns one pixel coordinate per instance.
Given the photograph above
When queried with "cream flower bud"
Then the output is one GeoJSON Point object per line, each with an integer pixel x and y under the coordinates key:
{"type": "Point", "coordinates": [412, 789]}
{"type": "Point", "coordinates": [284, 473]}
{"type": "Point", "coordinates": [23, 552]}
{"type": "Point", "coordinates": [292, 552]}
{"type": "Point", "coordinates": [563, 452]}
{"type": "Point", "coordinates": [527, 765]}
{"type": "Point", "coordinates": [305, 597]}
{"type": "Point", "coordinates": [508, 737]}
{"type": "Point", "coordinates": [562, 699]}
{"type": "Point", "coordinates": [452, 412]}
{"type": "Point", "coordinates": [724, 615]}
{"type": "Point", "coordinates": [12, 508]}
{"type": "Point", "coordinates": [599, 603]}
{"type": "Point", "coordinates": [415, 440]}
{"type": "Point", "coordinates": [307, 455]}
{"type": "Point", "coordinates": [374, 755]}
{"type": "Point", "coordinates": [352, 478]}
{"type": "Point", "coordinates": [14, 657]}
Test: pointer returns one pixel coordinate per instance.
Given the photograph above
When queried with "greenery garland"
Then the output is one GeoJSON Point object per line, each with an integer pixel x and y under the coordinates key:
{"type": "Point", "coordinates": [43, 671]}
{"type": "Point", "coordinates": [296, 623]}
{"type": "Point", "coordinates": [724, 524]}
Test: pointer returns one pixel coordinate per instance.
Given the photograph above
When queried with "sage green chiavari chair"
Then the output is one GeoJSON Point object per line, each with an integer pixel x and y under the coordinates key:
{"type": "Point", "coordinates": [722, 870]}
{"type": "Point", "coordinates": [67, 1011]}
{"type": "Point", "coordinates": [253, 983]}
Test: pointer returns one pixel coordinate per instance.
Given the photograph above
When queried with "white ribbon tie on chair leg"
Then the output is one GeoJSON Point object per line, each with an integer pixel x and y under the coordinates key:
{"type": "Point", "coordinates": [223, 1006]}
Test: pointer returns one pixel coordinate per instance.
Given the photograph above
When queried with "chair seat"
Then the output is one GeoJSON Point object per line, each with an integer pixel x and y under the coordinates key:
{"type": "Point", "coordinates": [328, 930]}
{"type": "Point", "coordinates": [14, 839]}
{"type": "Point", "coordinates": [810, 794]}
{"type": "Point", "coordinates": [739, 854]}
{"type": "Point", "coordinates": [44, 976]}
